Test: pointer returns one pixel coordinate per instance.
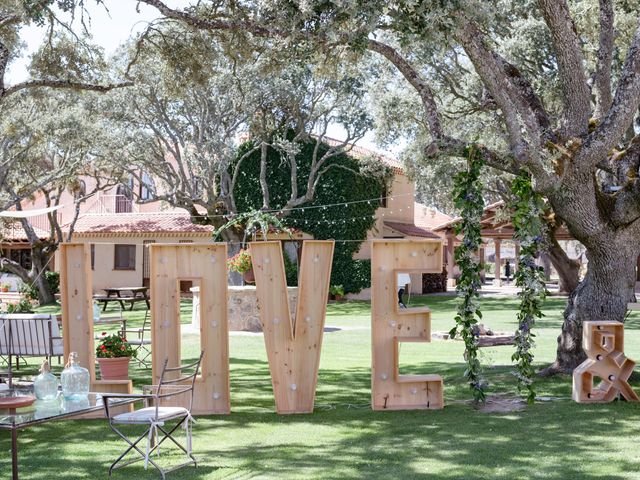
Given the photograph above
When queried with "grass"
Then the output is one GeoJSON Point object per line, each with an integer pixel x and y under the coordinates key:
{"type": "Point", "coordinates": [343, 438]}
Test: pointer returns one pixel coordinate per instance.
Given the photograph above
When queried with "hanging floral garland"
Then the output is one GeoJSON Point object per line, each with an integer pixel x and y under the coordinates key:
{"type": "Point", "coordinates": [468, 200]}
{"type": "Point", "coordinates": [528, 226]}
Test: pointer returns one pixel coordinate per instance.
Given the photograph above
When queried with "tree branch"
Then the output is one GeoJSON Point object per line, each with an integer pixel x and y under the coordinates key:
{"type": "Point", "coordinates": [602, 80]}
{"type": "Point", "coordinates": [623, 109]}
{"type": "Point", "coordinates": [416, 81]}
{"type": "Point", "coordinates": [61, 84]}
{"type": "Point", "coordinates": [577, 109]}
{"type": "Point", "coordinates": [212, 24]}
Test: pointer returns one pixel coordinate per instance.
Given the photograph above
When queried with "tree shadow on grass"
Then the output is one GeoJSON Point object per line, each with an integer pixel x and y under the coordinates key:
{"type": "Point", "coordinates": [343, 438]}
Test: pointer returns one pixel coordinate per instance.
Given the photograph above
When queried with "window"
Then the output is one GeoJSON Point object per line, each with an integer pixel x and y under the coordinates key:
{"type": "Point", "coordinates": [147, 187]}
{"type": "Point", "coordinates": [125, 257]}
{"type": "Point", "coordinates": [93, 257]}
{"type": "Point", "coordinates": [82, 191]}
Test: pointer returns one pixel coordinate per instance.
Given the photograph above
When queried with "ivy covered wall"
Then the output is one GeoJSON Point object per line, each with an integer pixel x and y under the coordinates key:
{"type": "Point", "coordinates": [349, 181]}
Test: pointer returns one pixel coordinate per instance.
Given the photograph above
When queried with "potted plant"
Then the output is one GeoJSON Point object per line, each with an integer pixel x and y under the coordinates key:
{"type": "Point", "coordinates": [5, 286]}
{"type": "Point", "coordinates": [241, 263]}
{"type": "Point", "coordinates": [113, 354]}
{"type": "Point", "coordinates": [336, 292]}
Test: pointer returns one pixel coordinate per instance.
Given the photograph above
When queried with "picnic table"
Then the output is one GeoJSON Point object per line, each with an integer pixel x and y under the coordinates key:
{"type": "Point", "coordinates": [123, 295]}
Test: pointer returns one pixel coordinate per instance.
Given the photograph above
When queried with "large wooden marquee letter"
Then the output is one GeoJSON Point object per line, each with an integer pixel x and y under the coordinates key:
{"type": "Point", "coordinates": [76, 299]}
{"type": "Point", "coordinates": [293, 347]}
{"type": "Point", "coordinates": [206, 264]}
{"type": "Point", "coordinates": [603, 343]}
{"type": "Point", "coordinates": [392, 325]}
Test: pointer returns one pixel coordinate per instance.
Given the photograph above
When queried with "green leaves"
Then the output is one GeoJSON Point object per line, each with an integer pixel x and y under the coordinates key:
{"type": "Point", "coordinates": [467, 195]}
{"type": "Point", "coordinates": [527, 207]}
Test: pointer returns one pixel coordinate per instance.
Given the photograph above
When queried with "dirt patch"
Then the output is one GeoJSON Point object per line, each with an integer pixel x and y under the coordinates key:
{"type": "Point", "coordinates": [502, 404]}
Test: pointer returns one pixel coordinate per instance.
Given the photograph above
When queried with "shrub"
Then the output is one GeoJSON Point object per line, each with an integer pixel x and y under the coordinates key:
{"type": "Point", "coordinates": [53, 279]}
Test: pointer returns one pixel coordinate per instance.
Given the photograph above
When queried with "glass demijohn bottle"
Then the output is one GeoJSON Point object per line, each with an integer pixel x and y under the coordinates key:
{"type": "Point", "coordinates": [74, 379]}
{"type": "Point", "coordinates": [45, 385]}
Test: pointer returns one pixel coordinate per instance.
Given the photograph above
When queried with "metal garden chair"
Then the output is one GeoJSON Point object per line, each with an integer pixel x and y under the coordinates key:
{"type": "Point", "coordinates": [140, 341]}
{"type": "Point", "coordinates": [156, 416]}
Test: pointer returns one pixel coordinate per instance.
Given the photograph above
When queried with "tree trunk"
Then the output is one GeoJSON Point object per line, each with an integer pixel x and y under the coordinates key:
{"type": "Point", "coordinates": [568, 269]}
{"type": "Point", "coordinates": [39, 262]}
{"type": "Point", "coordinates": [602, 295]}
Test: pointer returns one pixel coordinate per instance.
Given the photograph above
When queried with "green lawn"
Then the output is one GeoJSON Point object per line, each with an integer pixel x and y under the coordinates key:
{"type": "Point", "coordinates": [343, 438]}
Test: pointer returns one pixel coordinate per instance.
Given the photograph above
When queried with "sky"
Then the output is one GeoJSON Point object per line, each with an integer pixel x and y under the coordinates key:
{"type": "Point", "coordinates": [111, 28]}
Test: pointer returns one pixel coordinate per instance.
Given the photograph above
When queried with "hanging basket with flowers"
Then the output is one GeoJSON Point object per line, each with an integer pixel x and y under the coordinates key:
{"type": "Point", "coordinates": [241, 263]}
{"type": "Point", "coordinates": [113, 354]}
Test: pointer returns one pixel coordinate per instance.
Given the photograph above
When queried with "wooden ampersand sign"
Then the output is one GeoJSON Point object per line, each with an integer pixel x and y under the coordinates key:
{"type": "Point", "coordinates": [603, 343]}
{"type": "Point", "coordinates": [293, 347]}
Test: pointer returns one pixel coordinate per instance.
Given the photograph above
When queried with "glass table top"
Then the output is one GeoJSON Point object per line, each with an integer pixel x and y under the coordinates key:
{"type": "Point", "coordinates": [46, 410]}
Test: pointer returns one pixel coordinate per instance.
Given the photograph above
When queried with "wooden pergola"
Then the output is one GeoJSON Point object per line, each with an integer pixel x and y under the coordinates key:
{"type": "Point", "coordinates": [494, 226]}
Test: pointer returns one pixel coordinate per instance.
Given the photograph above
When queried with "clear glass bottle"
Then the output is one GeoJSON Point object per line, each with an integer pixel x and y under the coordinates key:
{"type": "Point", "coordinates": [45, 385]}
{"type": "Point", "coordinates": [74, 379]}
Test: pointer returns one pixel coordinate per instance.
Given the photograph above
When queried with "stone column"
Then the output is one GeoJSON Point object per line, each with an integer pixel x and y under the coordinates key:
{"type": "Point", "coordinates": [515, 263]}
{"type": "Point", "coordinates": [450, 258]}
{"type": "Point", "coordinates": [497, 281]}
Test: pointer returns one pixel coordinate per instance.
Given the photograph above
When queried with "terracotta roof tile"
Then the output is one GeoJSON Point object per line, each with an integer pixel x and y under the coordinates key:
{"type": "Point", "coordinates": [411, 230]}
{"type": "Point", "coordinates": [15, 233]}
{"type": "Point", "coordinates": [148, 222]}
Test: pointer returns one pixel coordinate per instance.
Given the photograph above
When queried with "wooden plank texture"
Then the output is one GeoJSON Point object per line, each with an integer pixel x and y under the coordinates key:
{"type": "Point", "coordinates": [603, 342]}
{"type": "Point", "coordinates": [206, 264]}
{"type": "Point", "coordinates": [77, 304]}
{"type": "Point", "coordinates": [76, 287]}
{"type": "Point", "coordinates": [293, 345]}
{"type": "Point", "coordinates": [391, 326]}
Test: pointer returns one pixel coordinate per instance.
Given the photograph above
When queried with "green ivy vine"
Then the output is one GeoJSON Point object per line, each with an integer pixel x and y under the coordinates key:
{"type": "Point", "coordinates": [468, 200]}
{"type": "Point", "coordinates": [527, 208]}
{"type": "Point", "coordinates": [351, 181]}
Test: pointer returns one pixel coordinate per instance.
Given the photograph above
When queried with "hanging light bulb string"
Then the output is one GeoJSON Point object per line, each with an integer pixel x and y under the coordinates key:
{"type": "Point", "coordinates": [280, 211]}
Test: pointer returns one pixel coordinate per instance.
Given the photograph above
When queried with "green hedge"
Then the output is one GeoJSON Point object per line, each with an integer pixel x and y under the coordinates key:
{"type": "Point", "coordinates": [339, 185]}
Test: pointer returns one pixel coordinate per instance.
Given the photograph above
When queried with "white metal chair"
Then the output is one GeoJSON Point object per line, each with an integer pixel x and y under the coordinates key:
{"type": "Point", "coordinates": [155, 417]}
{"type": "Point", "coordinates": [141, 341]}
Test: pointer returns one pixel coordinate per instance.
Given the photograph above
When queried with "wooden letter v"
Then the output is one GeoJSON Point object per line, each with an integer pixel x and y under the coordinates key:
{"type": "Point", "coordinates": [293, 346]}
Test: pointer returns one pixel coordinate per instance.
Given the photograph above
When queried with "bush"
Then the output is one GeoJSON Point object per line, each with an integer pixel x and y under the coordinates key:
{"type": "Point", "coordinates": [291, 271]}
{"type": "Point", "coordinates": [53, 279]}
{"type": "Point", "coordinates": [28, 291]}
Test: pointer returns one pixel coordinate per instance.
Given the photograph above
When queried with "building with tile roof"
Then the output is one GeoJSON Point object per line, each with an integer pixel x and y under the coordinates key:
{"type": "Point", "coordinates": [118, 229]}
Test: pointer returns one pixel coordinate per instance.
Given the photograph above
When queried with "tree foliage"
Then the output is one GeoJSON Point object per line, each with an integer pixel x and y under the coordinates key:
{"type": "Point", "coordinates": [343, 207]}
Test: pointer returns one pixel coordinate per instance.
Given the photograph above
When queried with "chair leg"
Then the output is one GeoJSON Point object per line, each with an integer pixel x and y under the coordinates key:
{"type": "Point", "coordinates": [167, 434]}
{"type": "Point", "coordinates": [133, 446]}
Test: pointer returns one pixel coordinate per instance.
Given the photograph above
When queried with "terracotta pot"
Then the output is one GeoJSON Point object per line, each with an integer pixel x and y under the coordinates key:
{"type": "Point", "coordinates": [114, 368]}
{"type": "Point", "coordinates": [338, 298]}
{"type": "Point", "coordinates": [249, 277]}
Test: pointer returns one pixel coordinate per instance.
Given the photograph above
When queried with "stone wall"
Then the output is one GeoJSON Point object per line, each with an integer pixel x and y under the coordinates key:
{"type": "Point", "coordinates": [243, 310]}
